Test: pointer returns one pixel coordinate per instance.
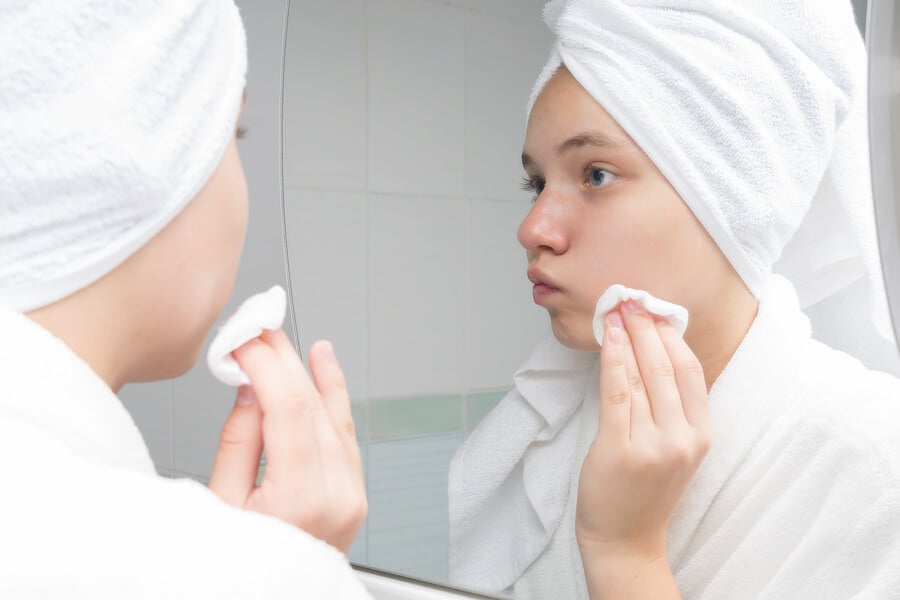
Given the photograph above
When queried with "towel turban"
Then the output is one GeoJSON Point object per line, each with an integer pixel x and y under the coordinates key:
{"type": "Point", "coordinates": [755, 111]}
{"type": "Point", "coordinates": [113, 115]}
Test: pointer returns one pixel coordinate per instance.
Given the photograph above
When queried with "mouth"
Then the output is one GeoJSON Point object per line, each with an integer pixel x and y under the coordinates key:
{"type": "Point", "coordinates": [544, 287]}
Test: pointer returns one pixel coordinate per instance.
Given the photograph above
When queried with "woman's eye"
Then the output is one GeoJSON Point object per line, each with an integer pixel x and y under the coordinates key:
{"type": "Point", "coordinates": [598, 177]}
{"type": "Point", "coordinates": [533, 185]}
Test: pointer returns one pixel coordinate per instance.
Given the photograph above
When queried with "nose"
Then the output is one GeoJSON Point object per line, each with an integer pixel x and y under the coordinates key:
{"type": "Point", "coordinates": [544, 227]}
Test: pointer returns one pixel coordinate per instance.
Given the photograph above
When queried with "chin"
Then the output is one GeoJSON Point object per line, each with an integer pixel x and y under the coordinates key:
{"type": "Point", "coordinates": [178, 357]}
{"type": "Point", "coordinates": [569, 336]}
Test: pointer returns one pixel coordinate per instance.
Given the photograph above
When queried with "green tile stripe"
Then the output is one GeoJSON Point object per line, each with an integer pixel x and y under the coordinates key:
{"type": "Point", "coordinates": [414, 416]}
{"type": "Point", "coordinates": [478, 405]}
{"type": "Point", "coordinates": [360, 413]}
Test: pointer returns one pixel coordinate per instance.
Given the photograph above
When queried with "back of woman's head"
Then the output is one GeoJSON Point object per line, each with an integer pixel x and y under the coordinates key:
{"type": "Point", "coordinates": [113, 116]}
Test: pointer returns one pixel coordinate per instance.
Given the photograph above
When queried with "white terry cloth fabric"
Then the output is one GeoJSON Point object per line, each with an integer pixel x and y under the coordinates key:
{"type": "Point", "coordinates": [257, 313]}
{"type": "Point", "coordinates": [509, 481]}
{"type": "Point", "coordinates": [756, 113]}
{"type": "Point", "coordinates": [798, 497]}
{"type": "Point", "coordinates": [98, 522]}
{"type": "Point", "coordinates": [676, 315]}
{"type": "Point", "coordinates": [113, 116]}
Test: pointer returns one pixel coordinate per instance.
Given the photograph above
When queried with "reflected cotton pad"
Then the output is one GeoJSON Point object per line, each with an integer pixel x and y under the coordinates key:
{"type": "Point", "coordinates": [676, 315]}
{"type": "Point", "coordinates": [257, 313]}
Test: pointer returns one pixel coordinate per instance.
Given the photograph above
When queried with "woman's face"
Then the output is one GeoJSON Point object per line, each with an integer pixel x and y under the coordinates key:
{"type": "Point", "coordinates": [603, 214]}
{"type": "Point", "coordinates": [190, 266]}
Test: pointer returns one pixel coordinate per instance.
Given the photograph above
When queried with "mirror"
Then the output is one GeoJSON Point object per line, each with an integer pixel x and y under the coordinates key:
{"type": "Point", "coordinates": [884, 107]}
{"type": "Point", "coordinates": [403, 128]}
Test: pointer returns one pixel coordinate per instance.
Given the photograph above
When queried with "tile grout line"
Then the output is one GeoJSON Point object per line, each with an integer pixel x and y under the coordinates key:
{"type": "Point", "coordinates": [368, 318]}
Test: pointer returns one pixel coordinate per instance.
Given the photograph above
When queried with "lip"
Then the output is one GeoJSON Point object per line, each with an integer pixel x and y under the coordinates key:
{"type": "Point", "coordinates": [543, 285]}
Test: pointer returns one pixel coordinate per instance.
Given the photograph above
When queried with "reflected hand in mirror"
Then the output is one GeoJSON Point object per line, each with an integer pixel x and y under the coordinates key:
{"type": "Point", "coordinates": [653, 433]}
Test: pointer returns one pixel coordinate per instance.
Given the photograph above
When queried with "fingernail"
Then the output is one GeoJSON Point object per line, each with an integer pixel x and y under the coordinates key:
{"type": "Point", "coordinates": [244, 395]}
{"type": "Point", "coordinates": [614, 328]}
{"type": "Point", "coordinates": [614, 319]}
{"type": "Point", "coordinates": [327, 350]}
{"type": "Point", "coordinates": [633, 307]}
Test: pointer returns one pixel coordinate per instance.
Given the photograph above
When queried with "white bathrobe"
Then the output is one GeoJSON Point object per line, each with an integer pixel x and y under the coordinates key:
{"type": "Point", "coordinates": [798, 497]}
{"type": "Point", "coordinates": [83, 514]}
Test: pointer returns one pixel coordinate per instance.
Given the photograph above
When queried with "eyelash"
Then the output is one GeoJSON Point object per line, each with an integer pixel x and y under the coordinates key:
{"type": "Point", "coordinates": [241, 133]}
{"type": "Point", "coordinates": [530, 184]}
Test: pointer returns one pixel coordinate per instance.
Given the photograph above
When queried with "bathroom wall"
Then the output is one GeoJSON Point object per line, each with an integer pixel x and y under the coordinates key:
{"type": "Point", "coordinates": [859, 11]}
{"type": "Point", "coordinates": [403, 130]}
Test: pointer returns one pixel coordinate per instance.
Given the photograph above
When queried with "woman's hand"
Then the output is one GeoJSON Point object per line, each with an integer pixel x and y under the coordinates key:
{"type": "Point", "coordinates": [313, 477]}
{"type": "Point", "coordinates": [653, 433]}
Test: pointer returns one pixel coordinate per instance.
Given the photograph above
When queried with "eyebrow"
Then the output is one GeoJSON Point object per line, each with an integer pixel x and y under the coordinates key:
{"type": "Point", "coordinates": [588, 138]}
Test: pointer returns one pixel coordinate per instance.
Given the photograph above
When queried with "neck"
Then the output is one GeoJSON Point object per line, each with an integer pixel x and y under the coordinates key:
{"type": "Point", "coordinates": [719, 328]}
{"type": "Point", "coordinates": [90, 328]}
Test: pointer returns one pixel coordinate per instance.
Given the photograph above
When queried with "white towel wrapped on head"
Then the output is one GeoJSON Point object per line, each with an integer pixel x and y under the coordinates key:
{"type": "Point", "coordinates": [113, 116]}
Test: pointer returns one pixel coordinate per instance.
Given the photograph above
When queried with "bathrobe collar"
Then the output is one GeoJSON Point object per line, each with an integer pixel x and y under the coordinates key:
{"type": "Point", "coordinates": [757, 385]}
{"type": "Point", "coordinates": [49, 387]}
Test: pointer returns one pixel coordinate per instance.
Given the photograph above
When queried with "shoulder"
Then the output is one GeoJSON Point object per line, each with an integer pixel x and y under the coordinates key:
{"type": "Point", "coordinates": [856, 408]}
{"type": "Point", "coordinates": [82, 530]}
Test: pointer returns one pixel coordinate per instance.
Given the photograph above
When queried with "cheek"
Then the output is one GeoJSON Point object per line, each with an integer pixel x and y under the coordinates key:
{"type": "Point", "coordinates": [618, 248]}
{"type": "Point", "coordinates": [226, 226]}
{"type": "Point", "coordinates": [645, 240]}
{"type": "Point", "coordinates": [674, 255]}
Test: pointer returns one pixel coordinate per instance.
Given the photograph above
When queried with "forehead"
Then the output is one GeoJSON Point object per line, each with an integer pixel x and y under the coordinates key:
{"type": "Point", "coordinates": [564, 110]}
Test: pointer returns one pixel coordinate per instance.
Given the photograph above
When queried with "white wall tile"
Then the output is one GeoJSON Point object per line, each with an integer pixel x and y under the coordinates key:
{"type": "Point", "coordinates": [416, 295]}
{"type": "Point", "coordinates": [325, 95]}
{"type": "Point", "coordinates": [502, 322]}
{"type": "Point", "coordinates": [525, 11]}
{"type": "Point", "coordinates": [326, 237]}
{"type": "Point", "coordinates": [503, 59]}
{"type": "Point", "coordinates": [416, 97]}
{"type": "Point", "coordinates": [150, 405]}
{"type": "Point", "coordinates": [200, 406]}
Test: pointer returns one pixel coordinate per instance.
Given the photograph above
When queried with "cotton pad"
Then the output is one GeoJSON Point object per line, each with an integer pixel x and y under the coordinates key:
{"type": "Point", "coordinates": [259, 312]}
{"type": "Point", "coordinates": [676, 315]}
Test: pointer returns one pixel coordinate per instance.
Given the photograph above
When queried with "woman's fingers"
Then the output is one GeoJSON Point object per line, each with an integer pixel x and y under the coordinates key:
{"type": "Point", "coordinates": [615, 394]}
{"type": "Point", "coordinates": [689, 377]}
{"type": "Point", "coordinates": [289, 402]}
{"type": "Point", "coordinates": [332, 386]}
{"type": "Point", "coordinates": [641, 413]}
{"type": "Point", "coordinates": [287, 355]}
{"type": "Point", "coordinates": [240, 446]}
{"type": "Point", "coordinates": [656, 369]}
{"type": "Point", "coordinates": [313, 476]}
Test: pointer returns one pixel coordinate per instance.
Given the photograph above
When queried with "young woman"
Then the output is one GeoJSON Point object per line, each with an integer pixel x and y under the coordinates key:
{"type": "Point", "coordinates": [694, 150]}
{"type": "Point", "coordinates": [122, 217]}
